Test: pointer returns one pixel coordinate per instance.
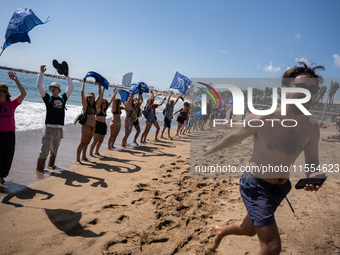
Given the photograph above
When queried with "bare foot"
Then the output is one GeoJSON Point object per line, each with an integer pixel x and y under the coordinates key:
{"type": "Point", "coordinates": [135, 143]}
{"type": "Point", "coordinates": [162, 137]}
{"type": "Point", "coordinates": [85, 159]}
{"type": "Point", "coordinates": [177, 136]}
{"type": "Point", "coordinates": [97, 154]}
{"type": "Point", "coordinates": [171, 138]}
{"type": "Point", "coordinates": [218, 237]}
{"type": "Point", "coordinates": [91, 155]}
{"type": "Point", "coordinates": [156, 140]}
{"type": "Point", "coordinates": [78, 162]}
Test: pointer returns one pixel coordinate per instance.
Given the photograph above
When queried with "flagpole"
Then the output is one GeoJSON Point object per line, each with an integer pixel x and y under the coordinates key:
{"type": "Point", "coordinates": [2, 52]}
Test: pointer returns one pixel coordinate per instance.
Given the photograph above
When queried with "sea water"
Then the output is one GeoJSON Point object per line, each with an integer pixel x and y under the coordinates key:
{"type": "Point", "coordinates": [31, 113]}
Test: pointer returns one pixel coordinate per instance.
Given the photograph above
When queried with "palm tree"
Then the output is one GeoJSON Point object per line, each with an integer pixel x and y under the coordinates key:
{"type": "Point", "coordinates": [320, 95]}
{"type": "Point", "coordinates": [333, 89]}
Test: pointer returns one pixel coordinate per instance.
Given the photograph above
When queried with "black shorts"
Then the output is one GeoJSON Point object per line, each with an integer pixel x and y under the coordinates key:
{"type": "Point", "coordinates": [101, 128]}
{"type": "Point", "coordinates": [167, 122]}
{"type": "Point", "coordinates": [180, 120]}
{"type": "Point", "coordinates": [136, 123]}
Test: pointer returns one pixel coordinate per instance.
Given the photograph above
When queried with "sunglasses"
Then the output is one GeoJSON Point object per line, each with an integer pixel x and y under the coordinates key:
{"type": "Point", "coordinates": [312, 89]}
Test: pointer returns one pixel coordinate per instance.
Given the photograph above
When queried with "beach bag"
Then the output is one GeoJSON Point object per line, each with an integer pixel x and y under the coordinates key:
{"type": "Point", "coordinates": [145, 113]}
{"type": "Point", "coordinates": [81, 118]}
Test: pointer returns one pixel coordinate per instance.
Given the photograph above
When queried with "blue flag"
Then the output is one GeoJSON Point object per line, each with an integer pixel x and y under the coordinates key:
{"type": "Point", "coordinates": [22, 21]}
{"type": "Point", "coordinates": [230, 101]}
{"type": "Point", "coordinates": [139, 88]}
{"type": "Point", "coordinates": [102, 81]}
{"type": "Point", "coordinates": [180, 82]}
{"type": "Point", "coordinates": [198, 99]}
{"type": "Point", "coordinates": [124, 95]}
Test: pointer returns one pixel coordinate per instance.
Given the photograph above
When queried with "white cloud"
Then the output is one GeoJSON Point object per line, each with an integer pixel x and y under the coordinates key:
{"type": "Point", "coordinates": [272, 69]}
{"type": "Point", "coordinates": [225, 51]}
{"type": "Point", "coordinates": [297, 36]}
{"type": "Point", "coordinates": [258, 66]}
{"type": "Point", "coordinates": [303, 60]}
{"type": "Point", "coordinates": [288, 67]}
{"type": "Point", "coordinates": [336, 60]}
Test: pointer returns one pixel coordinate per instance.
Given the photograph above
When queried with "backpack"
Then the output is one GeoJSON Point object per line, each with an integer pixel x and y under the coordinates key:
{"type": "Point", "coordinates": [145, 113]}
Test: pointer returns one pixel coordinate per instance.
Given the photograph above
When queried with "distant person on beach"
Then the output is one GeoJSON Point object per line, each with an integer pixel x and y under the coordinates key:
{"type": "Point", "coordinates": [168, 114]}
{"type": "Point", "coordinates": [90, 104]}
{"type": "Point", "coordinates": [115, 123]}
{"type": "Point", "coordinates": [55, 116]}
{"type": "Point", "coordinates": [7, 125]}
{"type": "Point", "coordinates": [137, 102]}
{"type": "Point", "coordinates": [155, 123]}
{"type": "Point", "coordinates": [150, 118]}
{"type": "Point", "coordinates": [101, 128]}
{"type": "Point", "coordinates": [263, 192]}
{"type": "Point", "coordinates": [183, 114]}
{"type": "Point", "coordinates": [335, 137]}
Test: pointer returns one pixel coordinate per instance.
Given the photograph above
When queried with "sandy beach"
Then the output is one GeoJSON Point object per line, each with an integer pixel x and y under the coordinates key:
{"type": "Point", "coordinates": [143, 201]}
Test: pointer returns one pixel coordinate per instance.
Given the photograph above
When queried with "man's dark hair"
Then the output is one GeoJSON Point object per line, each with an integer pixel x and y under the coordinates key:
{"type": "Point", "coordinates": [292, 73]}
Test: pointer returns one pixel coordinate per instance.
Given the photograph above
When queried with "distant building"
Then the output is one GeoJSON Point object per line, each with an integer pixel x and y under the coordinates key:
{"type": "Point", "coordinates": [127, 78]}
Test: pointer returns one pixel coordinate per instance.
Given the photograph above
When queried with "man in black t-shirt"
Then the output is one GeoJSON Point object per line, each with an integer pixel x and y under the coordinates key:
{"type": "Point", "coordinates": [55, 116]}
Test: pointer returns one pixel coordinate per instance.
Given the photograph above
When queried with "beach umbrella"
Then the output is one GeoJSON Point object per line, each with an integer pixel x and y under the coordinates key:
{"type": "Point", "coordinates": [22, 21]}
{"type": "Point", "coordinates": [102, 81]}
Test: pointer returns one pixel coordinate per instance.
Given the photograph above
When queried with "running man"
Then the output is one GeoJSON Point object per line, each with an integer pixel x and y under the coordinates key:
{"type": "Point", "coordinates": [273, 146]}
{"type": "Point", "coordinates": [55, 116]}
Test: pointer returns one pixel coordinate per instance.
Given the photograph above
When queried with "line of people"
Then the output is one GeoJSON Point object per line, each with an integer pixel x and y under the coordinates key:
{"type": "Point", "coordinates": [94, 127]}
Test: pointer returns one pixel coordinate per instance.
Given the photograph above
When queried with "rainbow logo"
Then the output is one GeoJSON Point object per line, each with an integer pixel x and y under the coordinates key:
{"type": "Point", "coordinates": [208, 92]}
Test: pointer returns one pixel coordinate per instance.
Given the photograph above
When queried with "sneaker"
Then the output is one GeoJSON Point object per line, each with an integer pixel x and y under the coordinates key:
{"type": "Point", "coordinates": [57, 66]}
{"type": "Point", "coordinates": [64, 66]}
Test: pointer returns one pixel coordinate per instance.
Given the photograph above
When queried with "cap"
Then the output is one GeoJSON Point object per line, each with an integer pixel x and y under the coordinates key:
{"type": "Point", "coordinates": [91, 94]}
{"type": "Point", "coordinates": [4, 87]}
{"type": "Point", "coordinates": [55, 84]}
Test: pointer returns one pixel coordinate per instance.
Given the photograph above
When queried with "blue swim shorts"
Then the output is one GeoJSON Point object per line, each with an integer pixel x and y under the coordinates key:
{"type": "Point", "coordinates": [261, 198]}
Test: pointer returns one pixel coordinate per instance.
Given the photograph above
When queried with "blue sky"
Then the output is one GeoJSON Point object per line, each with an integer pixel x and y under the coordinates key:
{"type": "Point", "coordinates": [154, 39]}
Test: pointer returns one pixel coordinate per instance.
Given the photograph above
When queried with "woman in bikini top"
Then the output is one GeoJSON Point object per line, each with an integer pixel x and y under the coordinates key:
{"type": "Point", "coordinates": [90, 104]}
{"type": "Point", "coordinates": [131, 117]}
{"type": "Point", "coordinates": [115, 122]}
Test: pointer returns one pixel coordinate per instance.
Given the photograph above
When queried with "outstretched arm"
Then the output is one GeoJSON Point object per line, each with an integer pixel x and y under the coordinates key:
{"type": "Point", "coordinates": [233, 138]}
{"type": "Point", "coordinates": [113, 99]}
{"type": "Point", "coordinates": [168, 102]}
{"type": "Point", "coordinates": [100, 96]}
{"type": "Point", "coordinates": [312, 158]}
{"type": "Point", "coordinates": [82, 93]}
{"type": "Point", "coordinates": [40, 84]}
{"type": "Point", "coordinates": [13, 76]}
{"type": "Point", "coordinates": [162, 101]}
{"type": "Point", "coordinates": [70, 86]}
{"type": "Point", "coordinates": [177, 99]}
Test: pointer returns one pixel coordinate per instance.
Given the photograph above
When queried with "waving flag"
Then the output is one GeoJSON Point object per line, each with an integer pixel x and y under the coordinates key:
{"type": "Point", "coordinates": [22, 21]}
{"type": "Point", "coordinates": [123, 95]}
{"type": "Point", "coordinates": [198, 99]}
{"type": "Point", "coordinates": [139, 88]}
{"type": "Point", "coordinates": [102, 81]}
{"type": "Point", "coordinates": [180, 82]}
